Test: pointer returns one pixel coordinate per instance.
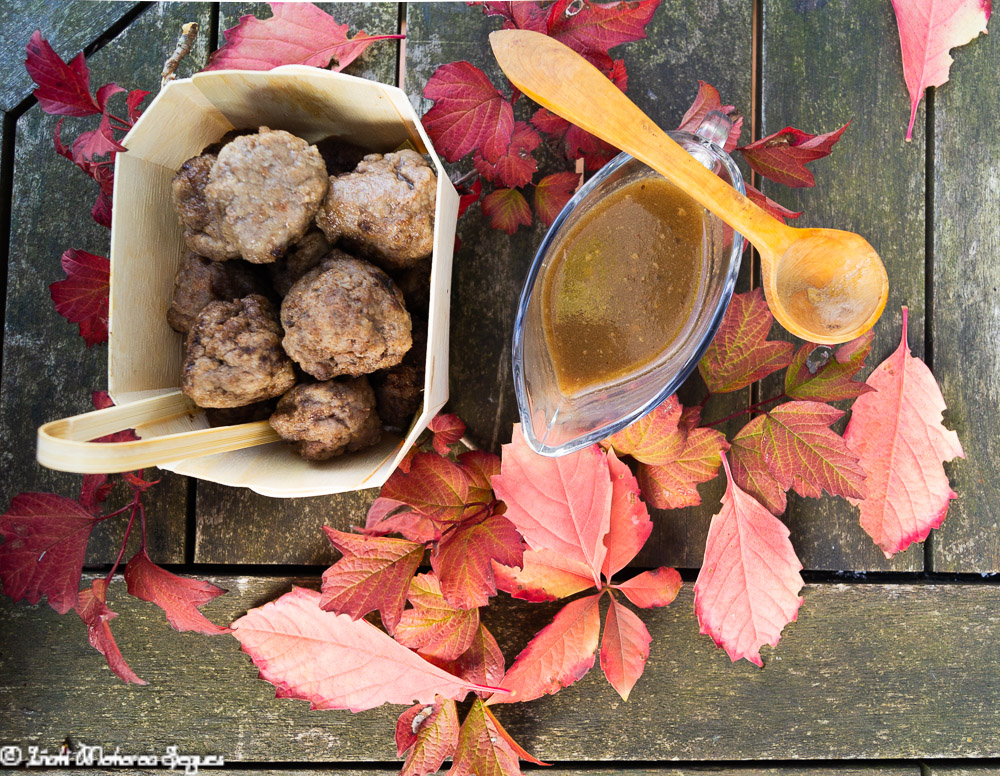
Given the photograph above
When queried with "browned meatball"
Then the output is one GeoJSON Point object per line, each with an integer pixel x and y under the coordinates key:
{"type": "Point", "coordinates": [202, 231]}
{"type": "Point", "coordinates": [327, 419]}
{"type": "Point", "coordinates": [234, 355]}
{"type": "Point", "coordinates": [384, 209]}
{"type": "Point", "coordinates": [339, 155]}
{"type": "Point", "coordinates": [226, 139]}
{"type": "Point", "coordinates": [399, 391]}
{"type": "Point", "coordinates": [415, 283]}
{"type": "Point", "coordinates": [266, 189]}
{"type": "Point", "coordinates": [345, 317]}
{"type": "Point", "coordinates": [200, 281]}
{"type": "Point", "coordinates": [301, 257]}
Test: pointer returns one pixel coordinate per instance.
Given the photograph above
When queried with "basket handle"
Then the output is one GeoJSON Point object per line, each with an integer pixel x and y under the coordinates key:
{"type": "Point", "coordinates": [62, 443]}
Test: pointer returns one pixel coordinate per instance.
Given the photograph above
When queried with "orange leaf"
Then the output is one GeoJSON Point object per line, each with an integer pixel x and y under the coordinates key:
{"type": "Point", "coordinates": [624, 648]}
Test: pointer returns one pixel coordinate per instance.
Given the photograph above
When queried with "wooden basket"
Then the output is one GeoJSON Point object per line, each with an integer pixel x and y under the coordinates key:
{"type": "Point", "coordinates": [147, 246]}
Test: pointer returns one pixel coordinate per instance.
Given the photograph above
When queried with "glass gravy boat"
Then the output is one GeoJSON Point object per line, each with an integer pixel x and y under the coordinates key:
{"type": "Point", "coordinates": [556, 424]}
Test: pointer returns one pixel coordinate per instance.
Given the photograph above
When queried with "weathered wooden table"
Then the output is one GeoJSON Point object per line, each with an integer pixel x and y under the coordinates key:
{"type": "Point", "coordinates": [894, 665]}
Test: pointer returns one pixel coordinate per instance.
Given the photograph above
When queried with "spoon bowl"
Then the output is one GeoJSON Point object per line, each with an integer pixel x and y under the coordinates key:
{"type": "Point", "coordinates": [824, 285]}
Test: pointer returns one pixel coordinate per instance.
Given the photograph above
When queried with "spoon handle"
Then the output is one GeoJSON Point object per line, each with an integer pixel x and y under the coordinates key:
{"type": "Point", "coordinates": [560, 80]}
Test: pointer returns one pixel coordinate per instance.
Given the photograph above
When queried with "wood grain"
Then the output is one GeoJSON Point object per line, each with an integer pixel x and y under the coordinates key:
{"type": "Point", "coordinates": [68, 27]}
{"type": "Point", "coordinates": [966, 312]}
{"type": "Point", "coordinates": [664, 70]}
{"type": "Point", "coordinates": [868, 671]}
{"type": "Point", "coordinates": [48, 372]}
{"type": "Point", "coordinates": [872, 184]}
{"type": "Point", "coordinates": [754, 770]}
{"type": "Point", "coordinates": [236, 525]}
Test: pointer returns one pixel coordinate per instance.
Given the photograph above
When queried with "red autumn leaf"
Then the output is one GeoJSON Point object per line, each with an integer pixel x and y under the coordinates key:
{"type": "Point", "coordinates": [101, 401]}
{"type": "Point", "coordinates": [177, 596]}
{"type": "Point", "coordinates": [63, 88]}
{"type": "Point", "coordinates": [506, 209]}
{"type": "Point", "coordinates": [45, 541]}
{"type": "Point", "coordinates": [97, 143]}
{"type": "Point", "coordinates": [479, 466]}
{"type": "Point", "coordinates": [132, 101]}
{"type": "Point", "coordinates": [94, 611]}
{"type": "Point", "coordinates": [618, 75]}
{"type": "Point", "coordinates": [833, 380]}
{"type": "Point", "coordinates": [101, 212]}
{"type": "Point", "coordinates": [780, 212]}
{"type": "Point", "coordinates": [434, 627]}
{"type": "Point", "coordinates": [928, 30]}
{"type": "Point", "coordinates": [654, 438]}
{"type": "Point", "coordinates": [374, 573]}
{"type": "Point", "coordinates": [560, 504]}
{"type": "Point", "coordinates": [552, 193]}
{"type": "Point", "coordinates": [482, 663]}
{"type": "Point", "coordinates": [800, 451]}
{"type": "Point", "coordinates": [751, 470]}
{"type": "Point", "coordinates": [519, 15]}
{"type": "Point", "coordinates": [652, 589]}
{"type": "Point", "coordinates": [94, 491]}
{"type": "Point", "coordinates": [447, 430]}
{"type": "Point", "coordinates": [82, 297]}
{"type": "Point", "coordinates": [624, 648]}
{"type": "Point", "coordinates": [673, 484]}
{"type": "Point", "coordinates": [705, 102]}
{"type": "Point", "coordinates": [630, 524]}
{"type": "Point", "coordinates": [335, 662]}
{"type": "Point", "coordinates": [434, 731]}
{"type": "Point", "coordinates": [549, 122]}
{"type": "Point", "coordinates": [485, 748]}
{"type": "Point", "coordinates": [897, 433]}
{"type": "Point", "coordinates": [741, 354]}
{"type": "Point", "coordinates": [296, 34]}
{"type": "Point", "coordinates": [597, 27]}
{"type": "Point", "coordinates": [516, 165]}
{"type": "Point", "coordinates": [431, 494]}
{"type": "Point", "coordinates": [468, 114]}
{"type": "Point", "coordinates": [749, 583]}
{"type": "Point", "coordinates": [595, 152]}
{"type": "Point", "coordinates": [471, 197]}
{"type": "Point", "coordinates": [783, 156]}
{"type": "Point", "coordinates": [560, 653]}
{"type": "Point", "coordinates": [463, 559]}
{"type": "Point", "coordinates": [545, 576]}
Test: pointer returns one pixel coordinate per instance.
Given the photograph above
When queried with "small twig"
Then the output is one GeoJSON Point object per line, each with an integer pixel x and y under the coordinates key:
{"type": "Point", "coordinates": [745, 410]}
{"type": "Point", "coordinates": [468, 442]}
{"type": "Point", "coordinates": [184, 43]}
{"type": "Point", "coordinates": [465, 178]}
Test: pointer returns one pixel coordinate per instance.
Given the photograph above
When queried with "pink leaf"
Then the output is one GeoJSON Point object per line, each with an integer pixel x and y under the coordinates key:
{"type": "Point", "coordinates": [45, 541]}
{"type": "Point", "coordinates": [780, 212]}
{"type": "Point", "coordinates": [624, 648]}
{"type": "Point", "coordinates": [297, 34]}
{"type": "Point", "coordinates": [335, 662]}
{"type": "Point", "coordinates": [630, 523]}
{"type": "Point", "coordinates": [673, 484]}
{"type": "Point", "coordinates": [479, 466]}
{"type": "Point", "coordinates": [897, 434]}
{"type": "Point", "coordinates": [559, 654]}
{"type": "Point", "coordinates": [545, 576]}
{"type": "Point", "coordinates": [433, 736]}
{"type": "Point", "coordinates": [749, 583]}
{"type": "Point", "coordinates": [82, 298]}
{"type": "Point", "coordinates": [447, 430]}
{"type": "Point", "coordinates": [463, 559]}
{"type": "Point", "coordinates": [96, 615]}
{"type": "Point", "coordinates": [928, 30]}
{"type": "Point", "coordinates": [62, 88]}
{"type": "Point", "coordinates": [483, 662]}
{"type": "Point", "coordinates": [559, 504]}
{"type": "Point", "coordinates": [506, 209]}
{"type": "Point", "coordinates": [434, 627]}
{"type": "Point", "coordinates": [485, 748]}
{"type": "Point", "coordinates": [468, 113]}
{"type": "Point", "coordinates": [782, 157]}
{"type": "Point", "coordinates": [177, 596]}
{"type": "Point", "coordinates": [704, 103]}
{"type": "Point", "coordinates": [652, 589]}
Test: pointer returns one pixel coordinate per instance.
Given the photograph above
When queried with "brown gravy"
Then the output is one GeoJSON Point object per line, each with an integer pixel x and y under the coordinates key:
{"type": "Point", "coordinates": [622, 283]}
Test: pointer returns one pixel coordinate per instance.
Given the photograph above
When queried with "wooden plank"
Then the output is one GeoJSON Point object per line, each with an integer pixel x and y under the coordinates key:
{"type": "Point", "coordinates": [965, 315]}
{"type": "Point", "coordinates": [48, 372]}
{"type": "Point", "coordinates": [238, 526]}
{"type": "Point", "coordinates": [68, 26]}
{"type": "Point", "coordinates": [489, 269]}
{"type": "Point", "coordinates": [752, 770]}
{"type": "Point", "coordinates": [963, 770]}
{"type": "Point", "coordinates": [868, 671]}
{"type": "Point", "coordinates": [825, 63]}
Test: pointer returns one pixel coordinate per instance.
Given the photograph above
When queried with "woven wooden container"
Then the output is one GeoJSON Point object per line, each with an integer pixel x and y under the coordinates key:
{"type": "Point", "coordinates": [147, 246]}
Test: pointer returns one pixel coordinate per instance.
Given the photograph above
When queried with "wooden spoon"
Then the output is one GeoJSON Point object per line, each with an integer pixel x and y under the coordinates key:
{"type": "Point", "coordinates": [823, 285]}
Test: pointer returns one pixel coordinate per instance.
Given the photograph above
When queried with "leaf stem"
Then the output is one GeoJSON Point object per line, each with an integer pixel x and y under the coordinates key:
{"type": "Point", "coordinates": [465, 178]}
{"type": "Point", "coordinates": [745, 410]}
{"type": "Point", "coordinates": [136, 506]}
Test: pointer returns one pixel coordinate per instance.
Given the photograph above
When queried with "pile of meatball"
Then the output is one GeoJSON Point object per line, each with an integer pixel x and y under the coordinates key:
{"type": "Point", "coordinates": [304, 294]}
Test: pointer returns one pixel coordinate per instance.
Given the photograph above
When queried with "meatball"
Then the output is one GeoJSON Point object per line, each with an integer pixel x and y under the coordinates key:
{"type": "Point", "coordinates": [302, 257]}
{"type": "Point", "coordinates": [234, 355]}
{"type": "Point", "coordinates": [200, 281]}
{"type": "Point", "coordinates": [345, 317]}
{"type": "Point", "coordinates": [327, 419]}
{"type": "Point", "coordinates": [339, 155]}
{"type": "Point", "coordinates": [399, 391]}
{"type": "Point", "coordinates": [202, 230]}
{"type": "Point", "coordinates": [266, 189]}
{"type": "Point", "coordinates": [384, 209]}
{"type": "Point", "coordinates": [226, 139]}
{"type": "Point", "coordinates": [415, 283]}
